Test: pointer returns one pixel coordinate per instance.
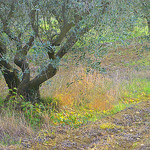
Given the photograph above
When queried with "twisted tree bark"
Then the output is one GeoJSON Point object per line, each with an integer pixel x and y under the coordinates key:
{"type": "Point", "coordinates": [70, 32]}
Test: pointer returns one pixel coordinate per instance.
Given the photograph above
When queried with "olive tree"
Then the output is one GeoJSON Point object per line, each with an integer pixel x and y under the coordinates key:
{"type": "Point", "coordinates": [145, 11]}
{"type": "Point", "coordinates": [141, 9]}
{"type": "Point", "coordinates": [52, 27]}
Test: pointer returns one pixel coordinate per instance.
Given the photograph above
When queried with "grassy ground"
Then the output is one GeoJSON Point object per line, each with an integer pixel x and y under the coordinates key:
{"type": "Point", "coordinates": [75, 99]}
{"type": "Point", "coordinates": [128, 129]}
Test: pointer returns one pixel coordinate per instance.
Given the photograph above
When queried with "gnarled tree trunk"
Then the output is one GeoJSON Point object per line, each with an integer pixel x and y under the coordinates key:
{"type": "Point", "coordinates": [24, 35]}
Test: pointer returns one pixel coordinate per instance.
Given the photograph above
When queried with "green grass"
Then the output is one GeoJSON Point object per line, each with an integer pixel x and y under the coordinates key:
{"type": "Point", "coordinates": [8, 140]}
{"type": "Point", "coordinates": [35, 114]}
{"type": "Point", "coordinates": [110, 126]}
{"type": "Point", "coordinates": [137, 88]}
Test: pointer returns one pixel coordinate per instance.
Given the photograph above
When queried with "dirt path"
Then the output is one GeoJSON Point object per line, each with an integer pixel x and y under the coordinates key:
{"type": "Point", "coordinates": [126, 130]}
{"type": "Point", "coordinates": [131, 130]}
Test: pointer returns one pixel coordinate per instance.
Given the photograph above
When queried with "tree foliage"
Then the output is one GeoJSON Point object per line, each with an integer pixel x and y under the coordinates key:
{"type": "Point", "coordinates": [51, 28]}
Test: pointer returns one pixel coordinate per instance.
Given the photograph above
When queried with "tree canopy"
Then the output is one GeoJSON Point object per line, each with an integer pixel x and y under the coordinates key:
{"type": "Point", "coordinates": [53, 27]}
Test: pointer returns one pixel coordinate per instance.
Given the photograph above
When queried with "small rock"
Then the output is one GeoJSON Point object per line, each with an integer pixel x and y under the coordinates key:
{"type": "Point", "coordinates": [131, 130]}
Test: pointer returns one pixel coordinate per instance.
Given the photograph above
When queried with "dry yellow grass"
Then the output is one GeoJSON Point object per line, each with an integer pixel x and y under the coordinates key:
{"type": "Point", "coordinates": [76, 88]}
{"type": "Point", "coordinates": [3, 88]}
{"type": "Point", "coordinates": [73, 86]}
{"type": "Point", "coordinates": [13, 127]}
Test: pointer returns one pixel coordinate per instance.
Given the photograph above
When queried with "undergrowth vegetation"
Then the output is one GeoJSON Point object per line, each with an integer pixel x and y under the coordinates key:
{"type": "Point", "coordinates": [75, 97]}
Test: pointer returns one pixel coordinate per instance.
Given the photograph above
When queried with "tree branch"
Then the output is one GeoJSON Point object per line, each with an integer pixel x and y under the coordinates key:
{"type": "Point", "coordinates": [67, 26]}
{"type": "Point", "coordinates": [50, 70]}
{"type": "Point", "coordinates": [71, 41]}
{"type": "Point", "coordinates": [7, 30]}
{"type": "Point", "coordinates": [20, 57]}
{"type": "Point", "coordinates": [63, 12]}
{"type": "Point", "coordinates": [32, 19]}
{"type": "Point", "coordinates": [12, 8]}
{"type": "Point", "coordinates": [10, 74]}
{"type": "Point", "coordinates": [5, 22]}
{"type": "Point", "coordinates": [45, 74]}
{"type": "Point", "coordinates": [63, 33]}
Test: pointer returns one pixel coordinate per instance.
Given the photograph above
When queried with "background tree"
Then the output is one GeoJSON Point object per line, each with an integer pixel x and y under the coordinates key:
{"type": "Point", "coordinates": [141, 9]}
{"type": "Point", "coordinates": [52, 28]}
{"type": "Point", "coordinates": [145, 8]}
